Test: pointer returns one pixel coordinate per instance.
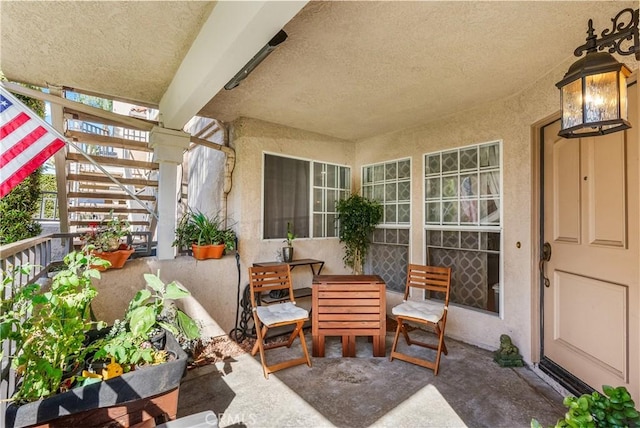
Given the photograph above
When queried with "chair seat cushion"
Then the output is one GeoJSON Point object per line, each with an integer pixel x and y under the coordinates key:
{"type": "Point", "coordinates": [426, 310]}
{"type": "Point", "coordinates": [281, 312]}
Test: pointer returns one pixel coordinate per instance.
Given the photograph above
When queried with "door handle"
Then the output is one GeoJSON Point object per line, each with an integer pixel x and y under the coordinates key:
{"type": "Point", "coordinates": [545, 257]}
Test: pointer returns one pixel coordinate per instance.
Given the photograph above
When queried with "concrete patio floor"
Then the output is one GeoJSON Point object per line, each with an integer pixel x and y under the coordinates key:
{"type": "Point", "coordinates": [470, 390]}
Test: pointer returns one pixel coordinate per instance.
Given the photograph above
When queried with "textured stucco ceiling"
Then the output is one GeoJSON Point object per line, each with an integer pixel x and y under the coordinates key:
{"type": "Point", "coordinates": [348, 69]}
{"type": "Point", "coordinates": [356, 69]}
{"type": "Point", "coordinates": [127, 49]}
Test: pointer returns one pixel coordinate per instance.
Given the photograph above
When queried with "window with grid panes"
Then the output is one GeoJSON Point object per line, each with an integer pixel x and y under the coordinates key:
{"type": "Point", "coordinates": [463, 222]}
{"type": "Point", "coordinates": [331, 183]}
{"type": "Point", "coordinates": [288, 189]}
{"type": "Point", "coordinates": [390, 184]}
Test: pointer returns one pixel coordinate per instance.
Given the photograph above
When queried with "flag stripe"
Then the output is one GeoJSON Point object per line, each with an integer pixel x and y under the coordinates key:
{"type": "Point", "coordinates": [25, 157]}
{"type": "Point", "coordinates": [22, 145]}
{"type": "Point", "coordinates": [14, 124]}
{"type": "Point", "coordinates": [26, 141]}
{"type": "Point", "coordinates": [27, 168]}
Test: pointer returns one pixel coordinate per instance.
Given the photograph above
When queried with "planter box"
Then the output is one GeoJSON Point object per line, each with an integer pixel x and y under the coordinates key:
{"type": "Point", "coordinates": [204, 252]}
{"type": "Point", "coordinates": [117, 258]}
{"type": "Point", "coordinates": [129, 399]}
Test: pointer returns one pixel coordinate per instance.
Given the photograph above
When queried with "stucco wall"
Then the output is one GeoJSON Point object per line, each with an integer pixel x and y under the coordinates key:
{"type": "Point", "coordinates": [508, 120]}
{"type": "Point", "coordinates": [212, 283]}
{"type": "Point", "coordinates": [251, 138]}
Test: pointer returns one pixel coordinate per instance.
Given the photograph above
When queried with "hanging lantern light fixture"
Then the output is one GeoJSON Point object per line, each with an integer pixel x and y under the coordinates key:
{"type": "Point", "coordinates": [593, 93]}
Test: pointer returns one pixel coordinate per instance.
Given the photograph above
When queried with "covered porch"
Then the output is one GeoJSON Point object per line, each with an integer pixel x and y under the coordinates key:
{"type": "Point", "coordinates": [357, 88]}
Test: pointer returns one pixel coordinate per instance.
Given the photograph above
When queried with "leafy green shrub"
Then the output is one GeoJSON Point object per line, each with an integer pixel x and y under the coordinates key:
{"type": "Point", "coordinates": [17, 209]}
{"type": "Point", "coordinates": [613, 409]}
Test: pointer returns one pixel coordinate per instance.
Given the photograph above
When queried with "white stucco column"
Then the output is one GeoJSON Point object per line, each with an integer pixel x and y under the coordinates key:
{"type": "Point", "coordinates": [168, 148]}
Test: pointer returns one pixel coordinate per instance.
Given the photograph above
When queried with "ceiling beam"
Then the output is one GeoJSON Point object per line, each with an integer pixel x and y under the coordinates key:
{"type": "Point", "coordinates": [234, 32]}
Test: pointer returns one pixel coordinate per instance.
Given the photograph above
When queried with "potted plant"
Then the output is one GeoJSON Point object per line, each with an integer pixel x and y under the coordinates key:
{"type": "Point", "coordinates": [358, 217]}
{"type": "Point", "coordinates": [204, 234]}
{"type": "Point", "coordinates": [106, 242]}
{"type": "Point", "coordinates": [53, 333]}
{"type": "Point", "coordinates": [287, 252]}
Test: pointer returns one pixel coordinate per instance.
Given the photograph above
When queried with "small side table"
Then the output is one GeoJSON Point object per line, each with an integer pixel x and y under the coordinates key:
{"type": "Point", "coordinates": [348, 306]}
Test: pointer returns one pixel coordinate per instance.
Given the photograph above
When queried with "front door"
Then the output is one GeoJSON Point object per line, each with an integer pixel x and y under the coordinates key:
{"type": "Point", "coordinates": [591, 300]}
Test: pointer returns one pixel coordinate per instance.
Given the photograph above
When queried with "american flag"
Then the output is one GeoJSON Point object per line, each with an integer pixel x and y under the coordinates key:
{"type": "Point", "coordinates": [26, 142]}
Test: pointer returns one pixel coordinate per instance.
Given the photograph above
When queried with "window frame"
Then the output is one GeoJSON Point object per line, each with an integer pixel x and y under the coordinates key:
{"type": "Point", "coordinates": [409, 180]}
{"type": "Point", "coordinates": [310, 192]}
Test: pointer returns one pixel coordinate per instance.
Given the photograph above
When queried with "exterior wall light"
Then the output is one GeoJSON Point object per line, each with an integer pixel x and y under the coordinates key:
{"type": "Point", "coordinates": [256, 60]}
{"type": "Point", "coordinates": [593, 93]}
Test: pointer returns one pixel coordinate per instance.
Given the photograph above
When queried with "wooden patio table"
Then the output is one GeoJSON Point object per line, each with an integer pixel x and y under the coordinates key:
{"type": "Point", "coordinates": [348, 306]}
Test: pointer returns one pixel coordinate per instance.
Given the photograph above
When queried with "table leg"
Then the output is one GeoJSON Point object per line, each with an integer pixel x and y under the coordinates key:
{"type": "Point", "coordinates": [317, 348]}
{"type": "Point", "coordinates": [348, 346]}
{"type": "Point", "coordinates": [379, 346]}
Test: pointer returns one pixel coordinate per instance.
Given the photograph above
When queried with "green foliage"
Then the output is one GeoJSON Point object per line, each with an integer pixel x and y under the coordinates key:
{"type": "Point", "coordinates": [17, 209]}
{"type": "Point", "coordinates": [107, 237]}
{"type": "Point", "coordinates": [49, 327]}
{"type": "Point", "coordinates": [613, 409]}
{"type": "Point", "coordinates": [290, 236]}
{"type": "Point", "coordinates": [358, 218]}
{"type": "Point", "coordinates": [198, 228]}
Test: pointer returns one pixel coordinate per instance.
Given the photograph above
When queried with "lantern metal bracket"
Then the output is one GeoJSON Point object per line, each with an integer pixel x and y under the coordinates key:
{"type": "Point", "coordinates": [624, 27]}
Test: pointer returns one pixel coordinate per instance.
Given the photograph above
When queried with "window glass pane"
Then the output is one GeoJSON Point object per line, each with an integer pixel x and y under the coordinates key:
{"type": "Point", "coordinates": [469, 212]}
{"type": "Point", "coordinates": [390, 214]}
{"type": "Point", "coordinates": [317, 174]}
{"type": "Point", "coordinates": [469, 158]}
{"type": "Point", "coordinates": [489, 212]}
{"type": "Point", "coordinates": [318, 222]}
{"type": "Point", "coordinates": [450, 212]}
{"type": "Point", "coordinates": [469, 240]}
{"type": "Point", "coordinates": [404, 169]}
{"type": "Point", "coordinates": [433, 188]}
{"type": "Point", "coordinates": [432, 164]}
{"type": "Point", "coordinates": [390, 192]}
{"type": "Point", "coordinates": [367, 175]}
{"type": "Point", "coordinates": [449, 161]}
{"type": "Point", "coordinates": [490, 156]}
{"type": "Point", "coordinates": [318, 199]}
{"type": "Point", "coordinates": [345, 181]}
{"type": "Point", "coordinates": [378, 235]}
{"type": "Point", "coordinates": [433, 212]}
{"type": "Point", "coordinates": [391, 172]}
{"type": "Point", "coordinates": [404, 190]}
{"type": "Point", "coordinates": [434, 237]}
{"type": "Point", "coordinates": [391, 236]}
{"type": "Point", "coordinates": [331, 226]}
{"type": "Point", "coordinates": [468, 186]}
{"type": "Point", "coordinates": [332, 176]}
{"type": "Point", "coordinates": [404, 213]}
{"type": "Point", "coordinates": [378, 192]}
{"type": "Point", "coordinates": [378, 173]}
{"type": "Point", "coordinates": [331, 200]}
{"type": "Point", "coordinates": [403, 236]}
{"type": "Point", "coordinates": [450, 187]}
{"type": "Point", "coordinates": [367, 192]}
{"type": "Point", "coordinates": [343, 195]}
{"type": "Point", "coordinates": [490, 183]}
{"type": "Point", "coordinates": [450, 239]}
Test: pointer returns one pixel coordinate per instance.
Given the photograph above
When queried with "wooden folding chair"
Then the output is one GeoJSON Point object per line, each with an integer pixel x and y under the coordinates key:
{"type": "Point", "coordinates": [266, 279]}
{"type": "Point", "coordinates": [430, 313]}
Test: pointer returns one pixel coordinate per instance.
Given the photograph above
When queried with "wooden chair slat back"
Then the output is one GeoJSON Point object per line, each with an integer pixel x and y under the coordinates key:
{"type": "Point", "coordinates": [430, 278]}
{"type": "Point", "coordinates": [268, 278]}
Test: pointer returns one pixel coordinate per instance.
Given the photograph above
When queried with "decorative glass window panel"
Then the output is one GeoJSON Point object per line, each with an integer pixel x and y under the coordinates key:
{"type": "Point", "coordinates": [465, 185]}
{"type": "Point", "coordinates": [390, 184]}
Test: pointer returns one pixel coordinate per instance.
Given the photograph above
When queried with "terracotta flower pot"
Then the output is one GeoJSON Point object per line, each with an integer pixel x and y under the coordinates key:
{"type": "Point", "coordinates": [116, 258]}
{"type": "Point", "coordinates": [203, 252]}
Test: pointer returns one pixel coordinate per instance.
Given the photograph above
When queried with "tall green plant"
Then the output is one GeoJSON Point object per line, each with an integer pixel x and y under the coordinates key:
{"type": "Point", "coordinates": [358, 218]}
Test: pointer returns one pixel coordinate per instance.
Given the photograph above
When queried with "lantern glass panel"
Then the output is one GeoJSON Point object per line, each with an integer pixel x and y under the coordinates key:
{"type": "Point", "coordinates": [572, 104]}
{"type": "Point", "coordinates": [623, 97]}
{"type": "Point", "coordinates": [601, 97]}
